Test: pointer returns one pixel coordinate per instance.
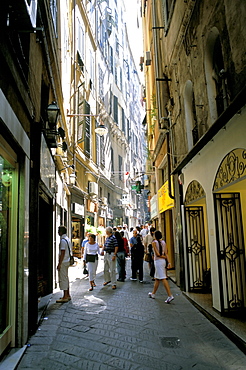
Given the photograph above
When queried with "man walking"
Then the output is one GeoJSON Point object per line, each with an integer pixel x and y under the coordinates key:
{"type": "Point", "coordinates": [109, 251]}
{"type": "Point", "coordinates": [64, 263]}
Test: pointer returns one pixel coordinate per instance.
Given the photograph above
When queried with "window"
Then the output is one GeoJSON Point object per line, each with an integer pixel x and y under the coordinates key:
{"type": "Point", "coordinates": [84, 129]}
{"type": "Point", "coordinates": [92, 69]}
{"type": "Point", "coordinates": [80, 39]}
{"type": "Point", "coordinates": [97, 149]}
{"type": "Point", "coordinates": [102, 150]}
{"type": "Point", "coordinates": [120, 80]}
{"type": "Point", "coordinates": [120, 167]}
{"type": "Point", "coordinates": [116, 109]}
{"type": "Point", "coordinates": [112, 160]}
{"type": "Point", "coordinates": [123, 121]}
{"type": "Point", "coordinates": [53, 10]}
{"type": "Point", "coordinates": [100, 82]}
{"type": "Point", "coordinates": [116, 19]}
{"type": "Point", "coordinates": [117, 45]}
{"type": "Point", "coordinates": [168, 6]}
{"type": "Point", "coordinates": [111, 60]}
{"type": "Point", "coordinates": [190, 115]}
{"type": "Point", "coordinates": [215, 75]}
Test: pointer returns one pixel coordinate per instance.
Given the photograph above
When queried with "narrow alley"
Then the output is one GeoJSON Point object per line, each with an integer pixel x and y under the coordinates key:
{"type": "Point", "coordinates": [125, 329]}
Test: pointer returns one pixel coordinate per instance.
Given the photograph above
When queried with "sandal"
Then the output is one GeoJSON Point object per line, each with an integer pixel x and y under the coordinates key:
{"type": "Point", "coordinates": [106, 283]}
{"type": "Point", "coordinates": [91, 288]}
{"type": "Point", "coordinates": [114, 287]}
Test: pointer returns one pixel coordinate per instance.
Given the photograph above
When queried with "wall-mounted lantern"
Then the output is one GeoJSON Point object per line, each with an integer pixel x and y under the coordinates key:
{"type": "Point", "coordinates": [52, 114]}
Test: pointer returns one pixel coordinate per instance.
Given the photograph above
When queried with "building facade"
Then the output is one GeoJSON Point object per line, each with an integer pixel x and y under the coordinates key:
{"type": "Point", "coordinates": [199, 64]}
{"type": "Point", "coordinates": [67, 78]}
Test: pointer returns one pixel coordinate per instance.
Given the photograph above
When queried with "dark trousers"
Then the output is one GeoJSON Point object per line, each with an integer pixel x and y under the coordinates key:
{"type": "Point", "coordinates": [137, 265]}
{"type": "Point", "coordinates": [121, 265]}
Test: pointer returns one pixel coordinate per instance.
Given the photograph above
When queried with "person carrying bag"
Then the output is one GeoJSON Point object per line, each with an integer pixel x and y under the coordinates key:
{"type": "Point", "coordinates": [90, 258]}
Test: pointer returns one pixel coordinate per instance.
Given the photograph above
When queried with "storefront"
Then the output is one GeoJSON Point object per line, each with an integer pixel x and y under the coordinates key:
{"type": "Point", "coordinates": [214, 218]}
{"type": "Point", "coordinates": [165, 205]}
{"type": "Point", "coordinates": [78, 219]}
{"type": "Point", "coordinates": [14, 228]}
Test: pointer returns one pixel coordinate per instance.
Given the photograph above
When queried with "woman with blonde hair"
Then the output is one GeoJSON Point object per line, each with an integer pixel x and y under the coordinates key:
{"type": "Point", "coordinates": [161, 264]}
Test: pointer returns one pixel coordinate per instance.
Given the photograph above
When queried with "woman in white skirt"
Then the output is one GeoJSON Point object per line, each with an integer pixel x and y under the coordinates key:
{"type": "Point", "coordinates": [91, 252]}
{"type": "Point", "coordinates": [161, 264]}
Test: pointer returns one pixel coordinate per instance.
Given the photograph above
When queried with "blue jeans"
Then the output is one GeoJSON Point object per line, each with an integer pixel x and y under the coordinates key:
{"type": "Point", "coordinates": [121, 265]}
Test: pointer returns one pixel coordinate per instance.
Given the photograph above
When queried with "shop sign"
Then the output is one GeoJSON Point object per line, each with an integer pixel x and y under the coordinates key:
{"type": "Point", "coordinates": [79, 209]}
{"type": "Point", "coordinates": [164, 201]}
{"type": "Point", "coordinates": [110, 213]}
{"type": "Point", "coordinates": [153, 206]}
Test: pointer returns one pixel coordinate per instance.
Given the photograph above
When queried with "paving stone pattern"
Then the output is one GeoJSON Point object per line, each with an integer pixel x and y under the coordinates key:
{"type": "Point", "coordinates": [125, 329]}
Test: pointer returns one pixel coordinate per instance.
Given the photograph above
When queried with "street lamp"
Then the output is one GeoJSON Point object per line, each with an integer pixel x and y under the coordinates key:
{"type": "Point", "coordinates": [72, 178]}
{"type": "Point", "coordinates": [52, 114]}
{"type": "Point", "coordinates": [101, 129]}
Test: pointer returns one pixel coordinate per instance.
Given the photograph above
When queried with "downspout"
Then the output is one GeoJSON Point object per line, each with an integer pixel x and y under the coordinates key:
{"type": "Point", "coordinates": [169, 166]}
{"type": "Point", "coordinates": [74, 81]}
{"type": "Point", "coordinates": [154, 28]}
{"type": "Point", "coordinates": [157, 77]}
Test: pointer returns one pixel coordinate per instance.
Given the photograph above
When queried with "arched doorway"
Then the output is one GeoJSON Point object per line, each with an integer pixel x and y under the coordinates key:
{"type": "Point", "coordinates": [229, 199]}
{"type": "Point", "coordinates": [197, 255]}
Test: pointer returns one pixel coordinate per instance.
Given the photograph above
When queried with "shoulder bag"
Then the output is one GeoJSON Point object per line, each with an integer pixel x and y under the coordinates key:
{"type": "Point", "coordinates": [71, 261]}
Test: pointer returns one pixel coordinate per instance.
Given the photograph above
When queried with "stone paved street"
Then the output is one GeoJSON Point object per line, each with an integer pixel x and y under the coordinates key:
{"type": "Point", "coordinates": [124, 329]}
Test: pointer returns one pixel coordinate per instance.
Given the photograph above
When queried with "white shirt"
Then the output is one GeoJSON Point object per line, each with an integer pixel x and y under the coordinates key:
{"type": "Point", "coordinates": [144, 232]}
{"type": "Point", "coordinates": [91, 249]}
{"type": "Point", "coordinates": [63, 246]}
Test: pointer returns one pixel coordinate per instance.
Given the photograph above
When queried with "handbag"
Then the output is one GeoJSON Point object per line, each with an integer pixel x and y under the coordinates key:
{"type": "Point", "coordinates": [147, 257]}
{"type": "Point", "coordinates": [71, 260]}
{"type": "Point", "coordinates": [85, 271]}
{"type": "Point", "coordinates": [91, 257]}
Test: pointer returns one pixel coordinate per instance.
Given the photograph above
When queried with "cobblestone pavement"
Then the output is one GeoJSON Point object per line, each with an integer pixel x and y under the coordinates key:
{"type": "Point", "coordinates": [124, 329]}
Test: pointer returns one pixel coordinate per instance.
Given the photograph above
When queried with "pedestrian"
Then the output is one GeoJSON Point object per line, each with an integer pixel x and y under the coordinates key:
{"type": "Point", "coordinates": [161, 264]}
{"type": "Point", "coordinates": [126, 233]}
{"type": "Point", "coordinates": [121, 257]}
{"type": "Point", "coordinates": [137, 254]}
{"type": "Point", "coordinates": [85, 240]}
{"type": "Point", "coordinates": [126, 245]}
{"type": "Point", "coordinates": [119, 228]}
{"type": "Point", "coordinates": [149, 251]}
{"type": "Point", "coordinates": [65, 251]}
{"type": "Point", "coordinates": [144, 231]}
{"type": "Point", "coordinates": [91, 252]}
{"type": "Point", "coordinates": [109, 252]}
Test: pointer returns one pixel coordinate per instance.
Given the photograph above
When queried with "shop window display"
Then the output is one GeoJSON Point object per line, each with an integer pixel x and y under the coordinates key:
{"type": "Point", "coordinates": [76, 238]}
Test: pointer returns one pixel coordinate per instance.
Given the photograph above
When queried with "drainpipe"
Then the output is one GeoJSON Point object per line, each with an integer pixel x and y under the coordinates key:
{"type": "Point", "coordinates": [74, 81]}
{"type": "Point", "coordinates": [154, 28]}
{"type": "Point", "coordinates": [169, 166]}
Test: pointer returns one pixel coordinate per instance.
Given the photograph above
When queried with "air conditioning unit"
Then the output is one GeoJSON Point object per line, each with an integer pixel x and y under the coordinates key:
{"type": "Point", "coordinates": [148, 58]}
{"type": "Point", "coordinates": [93, 188]}
{"type": "Point", "coordinates": [104, 201]}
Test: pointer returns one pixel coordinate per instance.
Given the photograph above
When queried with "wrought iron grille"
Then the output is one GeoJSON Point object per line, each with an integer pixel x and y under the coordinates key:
{"type": "Point", "coordinates": [196, 251]}
{"type": "Point", "coordinates": [231, 251]}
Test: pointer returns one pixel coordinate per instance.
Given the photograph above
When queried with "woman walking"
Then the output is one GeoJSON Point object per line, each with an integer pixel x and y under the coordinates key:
{"type": "Point", "coordinates": [91, 252]}
{"type": "Point", "coordinates": [161, 263]}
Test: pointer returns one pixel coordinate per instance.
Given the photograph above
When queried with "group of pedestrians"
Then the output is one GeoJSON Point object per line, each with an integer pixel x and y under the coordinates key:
{"type": "Point", "coordinates": [143, 242]}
